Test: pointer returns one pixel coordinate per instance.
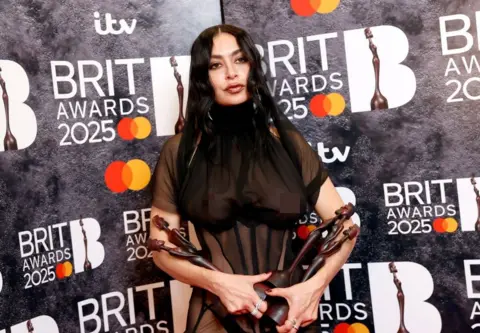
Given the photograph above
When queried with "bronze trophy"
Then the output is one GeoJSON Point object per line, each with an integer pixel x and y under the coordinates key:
{"type": "Point", "coordinates": [477, 198]}
{"type": "Point", "coordinates": [400, 297]}
{"type": "Point", "coordinates": [277, 306]}
{"type": "Point", "coordinates": [87, 265]}
{"type": "Point", "coordinates": [378, 101]}
{"type": "Point", "coordinates": [9, 142]}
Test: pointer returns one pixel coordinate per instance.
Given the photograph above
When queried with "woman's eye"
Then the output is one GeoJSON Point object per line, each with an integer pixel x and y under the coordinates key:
{"type": "Point", "coordinates": [242, 59]}
{"type": "Point", "coordinates": [214, 66]}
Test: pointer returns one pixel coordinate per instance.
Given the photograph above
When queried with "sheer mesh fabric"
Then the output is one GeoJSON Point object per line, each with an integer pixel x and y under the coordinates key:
{"type": "Point", "coordinates": [244, 206]}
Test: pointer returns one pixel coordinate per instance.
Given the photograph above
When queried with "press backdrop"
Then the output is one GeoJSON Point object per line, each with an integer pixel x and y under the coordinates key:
{"type": "Point", "coordinates": [92, 95]}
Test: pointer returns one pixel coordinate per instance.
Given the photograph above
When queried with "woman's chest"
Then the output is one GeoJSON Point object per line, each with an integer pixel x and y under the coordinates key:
{"type": "Point", "coordinates": [267, 190]}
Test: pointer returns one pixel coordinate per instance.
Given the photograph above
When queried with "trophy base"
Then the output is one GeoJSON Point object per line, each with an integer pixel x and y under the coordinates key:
{"type": "Point", "coordinates": [277, 311]}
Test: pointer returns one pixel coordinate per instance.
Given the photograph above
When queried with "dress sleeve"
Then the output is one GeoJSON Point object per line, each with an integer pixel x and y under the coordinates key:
{"type": "Point", "coordinates": [165, 177]}
{"type": "Point", "coordinates": [313, 170]}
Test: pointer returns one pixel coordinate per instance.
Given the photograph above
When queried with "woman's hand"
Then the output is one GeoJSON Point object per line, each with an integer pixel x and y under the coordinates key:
{"type": "Point", "coordinates": [237, 294]}
{"type": "Point", "coordinates": [303, 299]}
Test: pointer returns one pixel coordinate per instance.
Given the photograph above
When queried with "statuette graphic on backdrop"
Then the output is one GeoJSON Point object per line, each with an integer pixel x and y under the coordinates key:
{"type": "Point", "coordinates": [87, 265]}
{"type": "Point", "coordinates": [400, 297]}
{"type": "Point", "coordinates": [181, 120]}
{"type": "Point", "coordinates": [9, 142]}
{"type": "Point", "coordinates": [378, 100]}
{"type": "Point", "coordinates": [30, 326]}
{"type": "Point", "coordinates": [477, 198]}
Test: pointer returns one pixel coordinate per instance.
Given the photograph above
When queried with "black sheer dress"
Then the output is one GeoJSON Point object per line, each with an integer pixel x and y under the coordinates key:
{"type": "Point", "coordinates": [243, 205]}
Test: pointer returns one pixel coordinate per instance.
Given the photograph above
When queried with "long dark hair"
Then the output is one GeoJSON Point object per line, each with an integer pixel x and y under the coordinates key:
{"type": "Point", "coordinates": [201, 96]}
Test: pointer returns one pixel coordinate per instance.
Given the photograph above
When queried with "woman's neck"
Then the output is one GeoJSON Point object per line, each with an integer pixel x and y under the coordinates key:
{"type": "Point", "coordinates": [233, 118]}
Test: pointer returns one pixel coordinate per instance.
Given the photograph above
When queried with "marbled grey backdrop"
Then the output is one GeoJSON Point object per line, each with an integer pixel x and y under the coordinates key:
{"type": "Point", "coordinates": [46, 184]}
{"type": "Point", "coordinates": [425, 139]}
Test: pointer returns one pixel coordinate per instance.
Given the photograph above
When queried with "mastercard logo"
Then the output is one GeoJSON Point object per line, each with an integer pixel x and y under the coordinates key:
{"type": "Point", "coordinates": [132, 175]}
{"type": "Point", "coordinates": [353, 328]}
{"type": "Point", "coordinates": [310, 7]}
{"type": "Point", "coordinates": [327, 105]}
{"type": "Point", "coordinates": [442, 225]}
{"type": "Point", "coordinates": [64, 270]}
{"type": "Point", "coordinates": [136, 128]}
{"type": "Point", "coordinates": [304, 230]}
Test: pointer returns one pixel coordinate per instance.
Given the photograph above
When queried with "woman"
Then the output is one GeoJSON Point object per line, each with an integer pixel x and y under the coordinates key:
{"type": "Point", "coordinates": [243, 175]}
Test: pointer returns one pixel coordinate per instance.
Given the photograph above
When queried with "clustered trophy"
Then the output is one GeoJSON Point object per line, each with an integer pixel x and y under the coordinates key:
{"type": "Point", "coordinates": [325, 239]}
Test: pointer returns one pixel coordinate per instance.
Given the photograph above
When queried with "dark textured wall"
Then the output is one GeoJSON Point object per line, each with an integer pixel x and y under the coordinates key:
{"type": "Point", "coordinates": [425, 139]}
{"type": "Point", "coordinates": [49, 183]}
{"type": "Point", "coordinates": [419, 139]}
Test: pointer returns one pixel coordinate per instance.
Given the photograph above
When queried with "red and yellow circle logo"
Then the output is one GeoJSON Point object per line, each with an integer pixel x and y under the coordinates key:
{"type": "Point", "coordinates": [353, 328]}
{"type": "Point", "coordinates": [136, 128]}
{"type": "Point", "coordinates": [310, 7]}
{"type": "Point", "coordinates": [442, 225]}
{"type": "Point", "coordinates": [304, 230]}
{"type": "Point", "coordinates": [327, 105]}
{"type": "Point", "coordinates": [64, 270]}
{"type": "Point", "coordinates": [133, 175]}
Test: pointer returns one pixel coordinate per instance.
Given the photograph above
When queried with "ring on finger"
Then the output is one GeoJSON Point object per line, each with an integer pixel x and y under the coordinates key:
{"type": "Point", "coordinates": [257, 305]}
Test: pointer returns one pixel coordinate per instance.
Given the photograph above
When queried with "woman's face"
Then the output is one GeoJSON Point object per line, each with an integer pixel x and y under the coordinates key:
{"type": "Point", "coordinates": [228, 70]}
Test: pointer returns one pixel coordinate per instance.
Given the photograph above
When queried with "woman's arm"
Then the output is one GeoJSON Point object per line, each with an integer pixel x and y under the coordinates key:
{"type": "Point", "coordinates": [179, 269]}
{"type": "Point", "coordinates": [236, 292]}
{"type": "Point", "coordinates": [328, 202]}
{"type": "Point", "coordinates": [303, 298]}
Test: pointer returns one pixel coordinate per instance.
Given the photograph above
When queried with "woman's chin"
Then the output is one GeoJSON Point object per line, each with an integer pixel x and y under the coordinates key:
{"type": "Point", "coordinates": [233, 99]}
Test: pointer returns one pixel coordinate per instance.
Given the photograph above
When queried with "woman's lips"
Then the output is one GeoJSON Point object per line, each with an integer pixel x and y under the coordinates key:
{"type": "Point", "coordinates": [235, 89]}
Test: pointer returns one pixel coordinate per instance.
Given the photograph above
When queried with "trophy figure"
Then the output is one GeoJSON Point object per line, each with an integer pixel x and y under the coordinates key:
{"type": "Point", "coordinates": [277, 310]}
{"type": "Point", "coordinates": [9, 142]}
{"type": "Point", "coordinates": [87, 265]}
{"type": "Point", "coordinates": [327, 246]}
{"type": "Point", "coordinates": [378, 100]}
{"type": "Point", "coordinates": [181, 120]}
{"type": "Point", "coordinates": [477, 195]}
{"type": "Point", "coordinates": [400, 297]}
{"type": "Point", "coordinates": [29, 326]}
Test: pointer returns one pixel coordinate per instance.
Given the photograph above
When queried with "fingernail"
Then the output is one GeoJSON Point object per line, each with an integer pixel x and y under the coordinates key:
{"type": "Point", "coordinates": [268, 290]}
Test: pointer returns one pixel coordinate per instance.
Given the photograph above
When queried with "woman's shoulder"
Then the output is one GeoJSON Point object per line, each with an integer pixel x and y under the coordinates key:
{"type": "Point", "coordinates": [171, 144]}
{"type": "Point", "coordinates": [295, 136]}
{"type": "Point", "coordinates": [173, 141]}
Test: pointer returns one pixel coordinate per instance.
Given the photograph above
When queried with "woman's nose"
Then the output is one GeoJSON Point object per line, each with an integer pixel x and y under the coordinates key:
{"type": "Point", "coordinates": [231, 72]}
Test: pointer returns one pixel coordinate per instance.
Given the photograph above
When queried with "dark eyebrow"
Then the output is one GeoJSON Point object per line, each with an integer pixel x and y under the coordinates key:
{"type": "Point", "coordinates": [232, 54]}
